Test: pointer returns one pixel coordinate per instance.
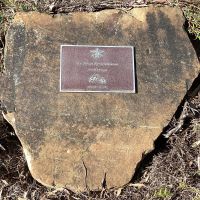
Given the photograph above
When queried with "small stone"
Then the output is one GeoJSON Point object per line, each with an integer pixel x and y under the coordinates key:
{"type": "Point", "coordinates": [75, 140]}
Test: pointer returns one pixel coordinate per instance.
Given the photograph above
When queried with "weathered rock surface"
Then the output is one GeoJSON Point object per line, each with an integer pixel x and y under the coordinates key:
{"type": "Point", "coordinates": [73, 140]}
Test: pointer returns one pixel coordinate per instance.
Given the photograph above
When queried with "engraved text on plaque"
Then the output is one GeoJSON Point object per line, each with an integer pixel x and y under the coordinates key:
{"type": "Point", "coordinates": [97, 69]}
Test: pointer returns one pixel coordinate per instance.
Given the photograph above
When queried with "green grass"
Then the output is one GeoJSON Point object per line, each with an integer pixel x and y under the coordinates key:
{"type": "Point", "coordinates": [163, 193]}
{"type": "Point", "coordinates": [191, 10]}
{"type": "Point", "coordinates": [192, 14]}
{"type": "Point", "coordinates": [9, 7]}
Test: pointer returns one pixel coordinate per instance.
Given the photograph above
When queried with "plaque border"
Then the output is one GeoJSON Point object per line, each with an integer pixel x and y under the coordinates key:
{"type": "Point", "coordinates": [104, 91]}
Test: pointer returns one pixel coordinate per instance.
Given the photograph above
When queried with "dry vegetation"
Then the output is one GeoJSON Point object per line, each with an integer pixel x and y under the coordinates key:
{"type": "Point", "coordinates": [171, 172]}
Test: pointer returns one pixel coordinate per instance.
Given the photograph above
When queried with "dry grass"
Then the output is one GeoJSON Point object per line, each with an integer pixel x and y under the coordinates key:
{"type": "Point", "coordinates": [174, 172]}
{"type": "Point", "coordinates": [8, 8]}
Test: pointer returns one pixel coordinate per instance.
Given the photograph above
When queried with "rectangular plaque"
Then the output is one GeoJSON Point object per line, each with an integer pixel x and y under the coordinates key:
{"type": "Point", "coordinates": [97, 69]}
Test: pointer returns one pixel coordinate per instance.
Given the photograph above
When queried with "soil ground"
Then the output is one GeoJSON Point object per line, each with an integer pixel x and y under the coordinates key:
{"type": "Point", "coordinates": [170, 172]}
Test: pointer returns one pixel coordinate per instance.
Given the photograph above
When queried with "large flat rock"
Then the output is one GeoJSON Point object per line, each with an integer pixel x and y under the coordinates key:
{"type": "Point", "coordinates": [74, 139]}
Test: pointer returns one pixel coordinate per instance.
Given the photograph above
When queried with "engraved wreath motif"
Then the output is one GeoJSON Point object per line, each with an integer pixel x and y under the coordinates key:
{"type": "Point", "coordinates": [96, 78]}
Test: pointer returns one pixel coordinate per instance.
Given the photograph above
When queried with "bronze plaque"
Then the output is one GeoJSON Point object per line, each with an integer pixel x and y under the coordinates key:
{"type": "Point", "coordinates": [97, 69]}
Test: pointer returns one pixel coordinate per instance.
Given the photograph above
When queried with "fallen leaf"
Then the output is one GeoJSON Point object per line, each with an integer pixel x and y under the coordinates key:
{"type": "Point", "coordinates": [1, 147]}
{"type": "Point", "coordinates": [5, 182]}
{"type": "Point", "coordinates": [196, 144]}
{"type": "Point", "coordinates": [137, 185]}
{"type": "Point", "coordinates": [118, 192]}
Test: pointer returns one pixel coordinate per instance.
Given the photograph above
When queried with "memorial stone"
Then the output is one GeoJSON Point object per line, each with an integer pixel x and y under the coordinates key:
{"type": "Point", "coordinates": [87, 115]}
